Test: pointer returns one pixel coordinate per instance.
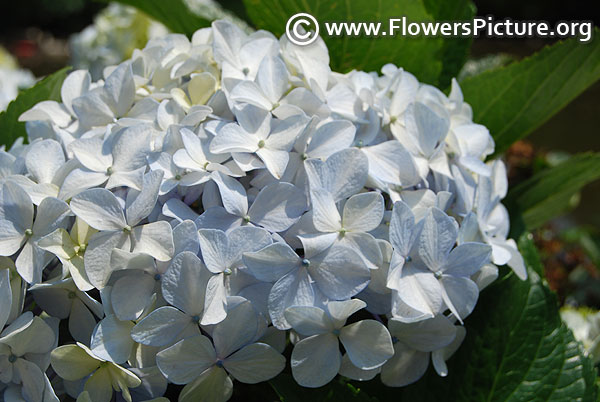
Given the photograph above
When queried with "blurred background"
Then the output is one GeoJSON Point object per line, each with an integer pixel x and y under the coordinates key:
{"type": "Point", "coordinates": [38, 37]}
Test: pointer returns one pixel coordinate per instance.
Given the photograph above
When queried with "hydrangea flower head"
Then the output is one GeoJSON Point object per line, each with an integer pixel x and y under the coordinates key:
{"type": "Point", "coordinates": [206, 198]}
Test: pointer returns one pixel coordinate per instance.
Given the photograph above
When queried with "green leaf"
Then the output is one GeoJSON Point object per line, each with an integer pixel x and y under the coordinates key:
{"type": "Point", "coordinates": [454, 50]}
{"type": "Point", "coordinates": [418, 55]}
{"type": "Point", "coordinates": [516, 349]}
{"type": "Point", "coordinates": [174, 14]}
{"type": "Point", "coordinates": [547, 194]}
{"type": "Point", "coordinates": [336, 391]}
{"type": "Point", "coordinates": [46, 89]}
{"type": "Point", "coordinates": [514, 100]}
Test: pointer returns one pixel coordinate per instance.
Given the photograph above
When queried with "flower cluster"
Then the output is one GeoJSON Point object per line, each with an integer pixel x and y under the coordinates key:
{"type": "Point", "coordinates": [12, 78]}
{"type": "Point", "coordinates": [119, 29]}
{"type": "Point", "coordinates": [585, 324]}
{"type": "Point", "coordinates": [208, 198]}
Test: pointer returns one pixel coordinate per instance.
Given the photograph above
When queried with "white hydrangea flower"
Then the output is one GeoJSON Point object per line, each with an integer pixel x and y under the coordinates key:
{"type": "Point", "coordinates": [24, 350]}
{"type": "Point", "coordinates": [413, 344]}
{"type": "Point", "coordinates": [204, 365]}
{"type": "Point", "coordinates": [231, 190]}
{"type": "Point", "coordinates": [276, 207]}
{"type": "Point", "coordinates": [70, 248]}
{"type": "Point", "coordinates": [19, 230]}
{"type": "Point", "coordinates": [184, 287]}
{"type": "Point", "coordinates": [337, 272]}
{"type": "Point", "coordinates": [316, 359]}
{"type": "Point", "coordinates": [78, 362]}
{"type": "Point", "coordinates": [361, 214]}
{"type": "Point", "coordinates": [258, 133]}
{"type": "Point", "coordinates": [438, 274]}
{"type": "Point", "coordinates": [103, 211]}
{"type": "Point", "coordinates": [64, 300]}
{"type": "Point", "coordinates": [117, 161]}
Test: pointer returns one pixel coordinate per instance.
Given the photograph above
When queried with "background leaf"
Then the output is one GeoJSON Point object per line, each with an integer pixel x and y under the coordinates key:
{"type": "Point", "coordinates": [454, 50]}
{"type": "Point", "coordinates": [547, 194]}
{"type": "Point", "coordinates": [173, 14]}
{"type": "Point", "coordinates": [420, 56]}
{"type": "Point", "coordinates": [516, 349]}
{"type": "Point", "coordinates": [46, 89]}
{"type": "Point", "coordinates": [514, 100]}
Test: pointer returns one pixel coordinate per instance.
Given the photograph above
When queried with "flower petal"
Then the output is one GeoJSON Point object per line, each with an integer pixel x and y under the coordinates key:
{"type": "Point", "coordinates": [120, 87]}
{"type": "Point", "coordinates": [427, 335]}
{"type": "Point", "coordinates": [233, 194]}
{"type": "Point", "coordinates": [406, 367]}
{"type": "Point", "coordinates": [237, 330]}
{"type": "Point", "coordinates": [272, 262]}
{"type": "Point", "coordinates": [81, 322]}
{"type": "Point", "coordinates": [343, 174]}
{"type": "Point", "coordinates": [437, 238]}
{"type": "Point", "coordinates": [340, 311]}
{"type": "Point", "coordinates": [131, 294]}
{"type": "Point", "coordinates": [255, 363]}
{"type": "Point", "coordinates": [97, 257]}
{"type": "Point", "coordinates": [99, 386]}
{"type": "Point", "coordinates": [11, 238]}
{"type": "Point", "coordinates": [277, 206]}
{"type": "Point", "coordinates": [467, 259]}
{"type": "Point", "coordinates": [330, 137]}
{"type": "Point", "coordinates": [187, 359]}
{"type": "Point", "coordinates": [215, 301]}
{"type": "Point", "coordinates": [32, 379]}
{"type": "Point", "coordinates": [460, 295]}
{"type": "Point", "coordinates": [213, 385]}
{"type": "Point", "coordinates": [249, 92]}
{"type": "Point", "coordinates": [420, 290]}
{"type": "Point", "coordinates": [316, 360]}
{"type": "Point", "coordinates": [44, 158]}
{"type": "Point", "coordinates": [112, 341]}
{"type": "Point", "coordinates": [402, 228]}
{"type": "Point", "coordinates": [16, 205]}
{"type": "Point", "coordinates": [5, 296]}
{"type": "Point", "coordinates": [363, 212]}
{"type": "Point", "coordinates": [326, 217]}
{"type": "Point", "coordinates": [245, 239]}
{"type": "Point", "coordinates": [293, 289]}
{"type": "Point", "coordinates": [76, 84]}
{"type": "Point", "coordinates": [99, 208]}
{"type": "Point", "coordinates": [309, 320]}
{"type": "Point", "coordinates": [155, 239]}
{"type": "Point", "coordinates": [339, 272]}
{"type": "Point", "coordinates": [161, 327]}
{"type": "Point", "coordinates": [352, 372]}
{"type": "Point", "coordinates": [272, 77]}
{"type": "Point", "coordinates": [368, 343]}
{"type": "Point", "coordinates": [214, 245]}
{"type": "Point", "coordinates": [233, 138]}
{"type": "Point", "coordinates": [145, 201]}
{"type": "Point", "coordinates": [72, 363]}
{"type": "Point", "coordinates": [184, 282]}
